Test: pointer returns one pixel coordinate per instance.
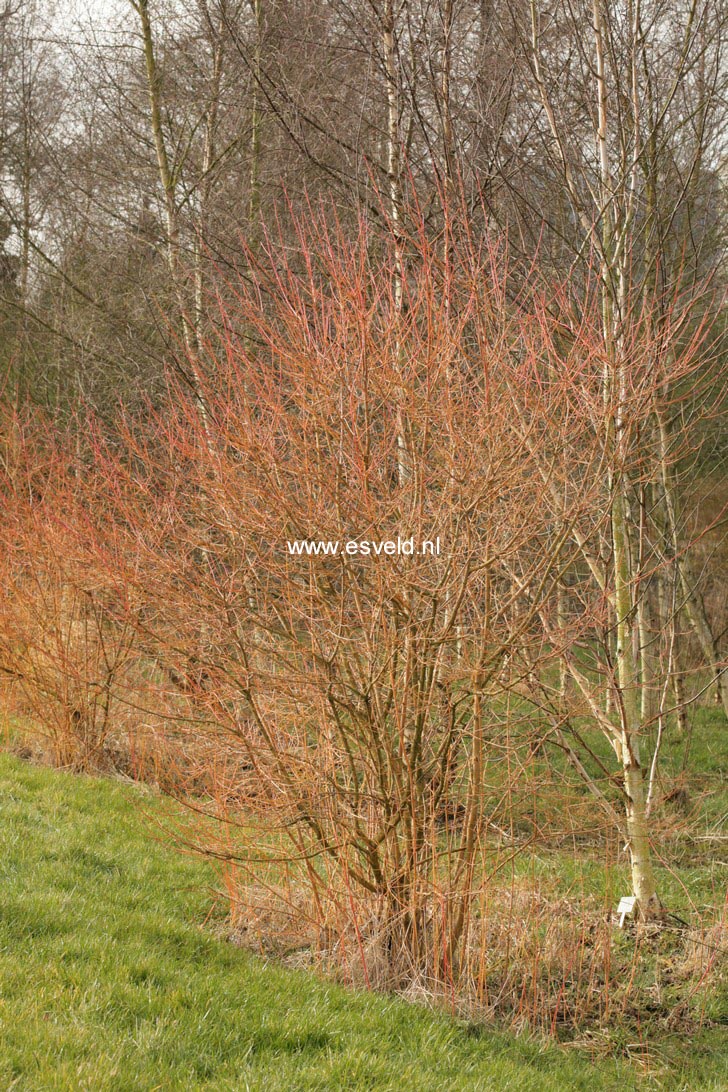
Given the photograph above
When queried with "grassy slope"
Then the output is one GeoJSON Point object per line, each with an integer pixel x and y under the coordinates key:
{"type": "Point", "coordinates": [107, 980]}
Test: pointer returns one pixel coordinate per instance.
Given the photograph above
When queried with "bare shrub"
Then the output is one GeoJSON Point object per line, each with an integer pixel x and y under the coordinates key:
{"type": "Point", "coordinates": [62, 650]}
{"type": "Point", "coordinates": [369, 697]}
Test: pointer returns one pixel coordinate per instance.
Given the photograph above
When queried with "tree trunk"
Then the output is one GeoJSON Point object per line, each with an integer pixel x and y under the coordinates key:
{"type": "Point", "coordinates": [644, 886]}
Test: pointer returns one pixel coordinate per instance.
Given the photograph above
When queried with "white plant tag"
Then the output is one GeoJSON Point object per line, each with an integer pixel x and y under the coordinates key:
{"type": "Point", "coordinates": [626, 906]}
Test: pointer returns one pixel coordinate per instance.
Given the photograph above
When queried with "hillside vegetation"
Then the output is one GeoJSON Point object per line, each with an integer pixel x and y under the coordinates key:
{"type": "Point", "coordinates": [110, 980]}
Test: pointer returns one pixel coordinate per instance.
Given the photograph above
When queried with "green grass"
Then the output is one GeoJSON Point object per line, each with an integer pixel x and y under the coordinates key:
{"type": "Point", "coordinates": [109, 981]}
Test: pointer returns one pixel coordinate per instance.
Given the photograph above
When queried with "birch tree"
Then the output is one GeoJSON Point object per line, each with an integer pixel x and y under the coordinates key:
{"type": "Point", "coordinates": [627, 108]}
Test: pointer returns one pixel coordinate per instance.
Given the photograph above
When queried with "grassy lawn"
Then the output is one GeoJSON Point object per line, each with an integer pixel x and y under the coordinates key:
{"type": "Point", "coordinates": [109, 981]}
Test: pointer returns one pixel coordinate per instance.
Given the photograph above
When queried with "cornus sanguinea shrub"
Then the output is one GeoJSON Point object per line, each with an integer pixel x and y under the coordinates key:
{"type": "Point", "coordinates": [364, 708]}
{"type": "Point", "coordinates": [364, 729]}
{"type": "Point", "coordinates": [65, 655]}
